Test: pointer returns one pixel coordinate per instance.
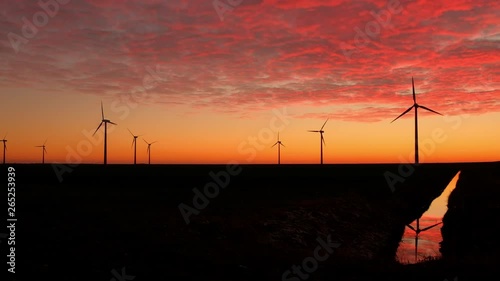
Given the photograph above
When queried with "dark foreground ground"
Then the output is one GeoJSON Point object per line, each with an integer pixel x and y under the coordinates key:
{"type": "Point", "coordinates": [255, 222]}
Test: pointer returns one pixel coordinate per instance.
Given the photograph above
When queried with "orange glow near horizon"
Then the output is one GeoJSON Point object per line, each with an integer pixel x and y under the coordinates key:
{"type": "Point", "coordinates": [210, 138]}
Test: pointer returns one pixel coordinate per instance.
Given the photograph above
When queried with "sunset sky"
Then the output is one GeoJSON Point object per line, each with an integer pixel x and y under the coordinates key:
{"type": "Point", "coordinates": [213, 81]}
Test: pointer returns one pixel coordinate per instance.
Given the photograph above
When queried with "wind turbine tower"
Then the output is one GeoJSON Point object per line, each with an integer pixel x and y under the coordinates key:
{"type": "Point", "coordinates": [4, 147]}
{"type": "Point", "coordinates": [134, 143]}
{"type": "Point", "coordinates": [279, 145]}
{"type": "Point", "coordinates": [43, 151]}
{"type": "Point", "coordinates": [149, 150]}
{"type": "Point", "coordinates": [105, 122]}
{"type": "Point", "coordinates": [416, 106]}
{"type": "Point", "coordinates": [322, 140]}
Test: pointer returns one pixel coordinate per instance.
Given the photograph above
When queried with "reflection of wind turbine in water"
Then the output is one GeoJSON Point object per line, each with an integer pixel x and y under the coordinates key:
{"type": "Point", "coordinates": [322, 140]}
{"type": "Point", "coordinates": [149, 150]}
{"type": "Point", "coordinates": [416, 106]}
{"type": "Point", "coordinates": [4, 147]}
{"type": "Point", "coordinates": [279, 144]}
{"type": "Point", "coordinates": [43, 151]}
{"type": "Point", "coordinates": [417, 231]}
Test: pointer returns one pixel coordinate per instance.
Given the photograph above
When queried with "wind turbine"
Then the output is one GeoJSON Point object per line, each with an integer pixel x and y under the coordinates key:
{"type": "Point", "coordinates": [417, 231]}
{"type": "Point", "coordinates": [134, 143]}
{"type": "Point", "coordinates": [4, 147]}
{"type": "Point", "coordinates": [322, 140]}
{"type": "Point", "coordinates": [105, 122]}
{"type": "Point", "coordinates": [43, 151]}
{"type": "Point", "coordinates": [279, 144]}
{"type": "Point", "coordinates": [416, 106]}
{"type": "Point", "coordinates": [149, 150]}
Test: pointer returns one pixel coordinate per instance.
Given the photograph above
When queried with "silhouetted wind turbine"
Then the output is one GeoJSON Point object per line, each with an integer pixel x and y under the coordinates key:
{"type": "Point", "coordinates": [105, 121]}
{"type": "Point", "coordinates": [279, 144]}
{"type": "Point", "coordinates": [416, 106]}
{"type": "Point", "coordinates": [43, 151]}
{"type": "Point", "coordinates": [417, 231]}
{"type": "Point", "coordinates": [134, 143]}
{"type": "Point", "coordinates": [4, 147]}
{"type": "Point", "coordinates": [322, 140]}
{"type": "Point", "coordinates": [149, 150]}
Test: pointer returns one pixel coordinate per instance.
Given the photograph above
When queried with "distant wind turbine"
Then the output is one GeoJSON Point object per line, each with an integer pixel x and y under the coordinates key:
{"type": "Point", "coordinates": [105, 122]}
{"type": "Point", "coordinates": [4, 147]}
{"type": "Point", "coordinates": [279, 144]}
{"type": "Point", "coordinates": [43, 151]}
{"type": "Point", "coordinates": [149, 150]}
{"type": "Point", "coordinates": [322, 140]}
{"type": "Point", "coordinates": [134, 143]}
{"type": "Point", "coordinates": [416, 106]}
{"type": "Point", "coordinates": [417, 231]}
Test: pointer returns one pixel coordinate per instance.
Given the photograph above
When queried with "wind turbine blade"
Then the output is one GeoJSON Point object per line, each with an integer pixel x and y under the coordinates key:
{"type": "Point", "coordinates": [313, 131]}
{"type": "Point", "coordinates": [130, 132]}
{"type": "Point", "coordinates": [411, 227]}
{"type": "Point", "coordinates": [406, 111]}
{"type": "Point", "coordinates": [44, 142]}
{"type": "Point", "coordinates": [5, 136]}
{"type": "Point", "coordinates": [323, 139]}
{"type": "Point", "coordinates": [324, 124]}
{"type": "Point", "coordinates": [45, 150]}
{"type": "Point", "coordinates": [102, 111]}
{"type": "Point", "coordinates": [97, 129]}
{"type": "Point", "coordinates": [274, 144]}
{"type": "Point", "coordinates": [153, 142]}
{"type": "Point", "coordinates": [429, 227]}
{"type": "Point", "coordinates": [112, 123]}
{"type": "Point", "coordinates": [145, 141]}
{"type": "Point", "coordinates": [413, 87]}
{"type": "Point", "coordinates": [282, 144]}
{"type": "Point", "coordinates": [132, 143]}
{"type": "Point", "coordinates": [426, 108]}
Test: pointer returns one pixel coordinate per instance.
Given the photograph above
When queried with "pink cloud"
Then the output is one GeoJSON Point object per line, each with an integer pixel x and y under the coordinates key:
{"type": "Point", "coordinates": [265, 53]}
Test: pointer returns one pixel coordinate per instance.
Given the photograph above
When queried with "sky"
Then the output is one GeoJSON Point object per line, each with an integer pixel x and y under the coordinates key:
{"type": "Point", "coordinates": [215, 81]}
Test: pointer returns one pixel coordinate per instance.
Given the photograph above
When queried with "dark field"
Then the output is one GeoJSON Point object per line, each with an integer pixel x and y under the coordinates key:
{"type": "Point", "coordinates": [254, 223]}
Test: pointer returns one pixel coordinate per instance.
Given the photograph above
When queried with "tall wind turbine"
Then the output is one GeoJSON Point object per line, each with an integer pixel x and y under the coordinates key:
{"type": "Point", "coordinates": [43, 151]}
{"type": "Point", "coordinates": [417, 231]}
{"type": "Point", "coordinates": [279, 144]}
{"type": "Point", "coordinates": [4, 147]}
{"type": "Point", "coordinates": [105, 122]}
{"type": "Point", "coordinates": [134, 143]}
{"type": "Point", "coordinates": [416, 106]}
{"type": "Point", "coordinates": [322, 140]}
{"type": "Point", "coordinates": [149, 150]}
